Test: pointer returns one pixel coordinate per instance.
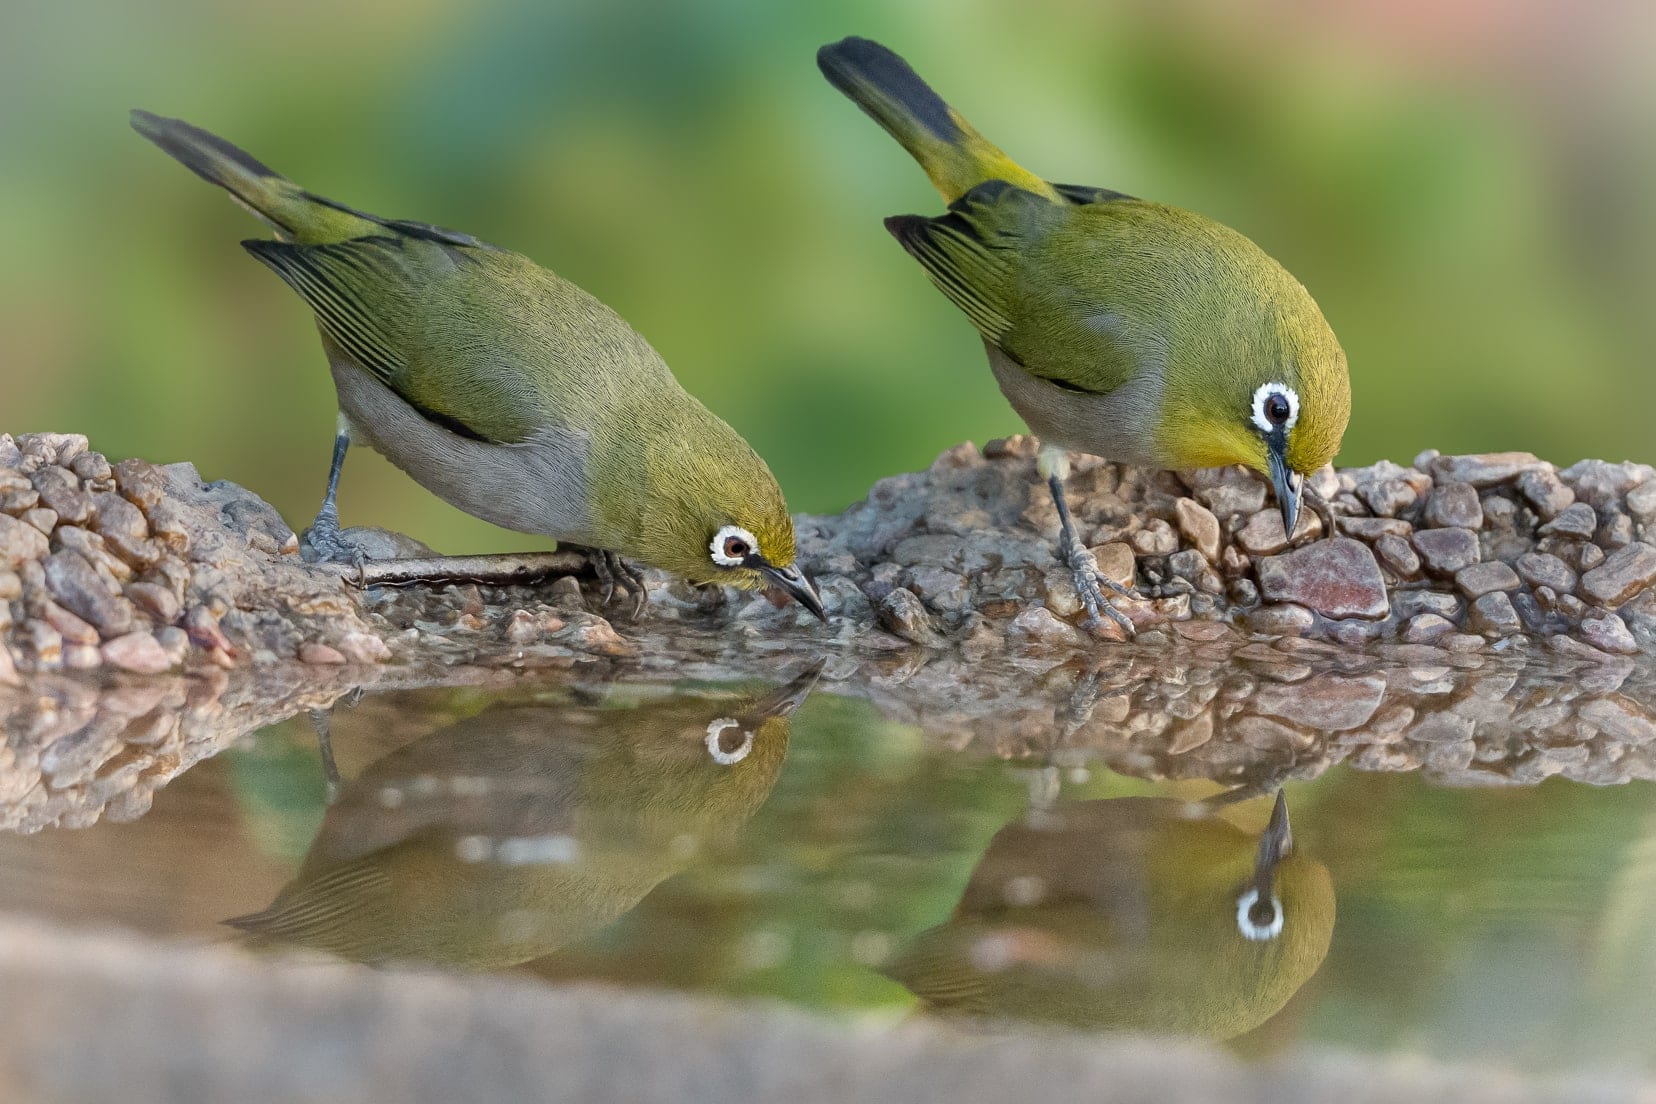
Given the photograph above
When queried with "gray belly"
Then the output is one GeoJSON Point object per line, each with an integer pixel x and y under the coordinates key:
{"type": "Point", "coordinates": [1117, 426]}
{"type": "Point", "coordinates": [539, 486]}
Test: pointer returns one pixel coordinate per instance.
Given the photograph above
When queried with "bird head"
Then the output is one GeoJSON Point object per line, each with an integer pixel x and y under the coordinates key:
{"type": "Point", "coordinates": [1266, 389]}
{"type": "Point", "coordinates": [717, 516]}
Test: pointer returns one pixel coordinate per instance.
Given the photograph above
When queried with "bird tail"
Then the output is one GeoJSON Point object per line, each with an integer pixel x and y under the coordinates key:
{"type": "Point", "coordinates": [295, 214]}
{"type": "Point", "coordinates": [953, 153]}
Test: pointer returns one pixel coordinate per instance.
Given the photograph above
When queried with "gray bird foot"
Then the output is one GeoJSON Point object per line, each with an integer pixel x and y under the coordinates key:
{"type": "Point", "coordinates": [617, 577]}
{"type": "Point", "coordinates": [1090, 584]}
{"type": "Point", "coordinates": [324, 543]}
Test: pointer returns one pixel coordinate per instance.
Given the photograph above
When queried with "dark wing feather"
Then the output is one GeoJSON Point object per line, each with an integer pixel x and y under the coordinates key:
{"type": "Point", "coordinates": [1085, 194]}
{"type": "Point", "coordinates": [327, 277]}
{"type": "Point", "coordinates": [971, 252]}
{"type": "Point", "coordinates": [339, 281]}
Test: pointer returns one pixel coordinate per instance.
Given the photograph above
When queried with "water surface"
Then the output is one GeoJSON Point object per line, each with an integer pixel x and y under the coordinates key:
{"type": "Point", "coordinates": [1468, 868]}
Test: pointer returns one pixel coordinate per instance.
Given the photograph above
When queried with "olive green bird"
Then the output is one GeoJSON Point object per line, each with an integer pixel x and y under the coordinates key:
{"type": "Point", "coordinates": [1115, 326]}
{"type": "Point", "coordinates": [1129, 914]}
{"type": "Point", "coordinates": [507, 391]}
{"type": "Point", "coordinates": [526, 828]}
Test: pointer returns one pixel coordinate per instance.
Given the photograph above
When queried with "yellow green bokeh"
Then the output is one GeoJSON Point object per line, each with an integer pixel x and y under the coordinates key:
{"type": "Point", "coordinates": [1466, 191]}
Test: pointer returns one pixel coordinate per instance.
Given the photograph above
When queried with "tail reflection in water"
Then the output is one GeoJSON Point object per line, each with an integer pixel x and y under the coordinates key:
{"type": "Point", "coordinates": [1133, 913]}
{"type": "Point", "coordinates": [522, 829]}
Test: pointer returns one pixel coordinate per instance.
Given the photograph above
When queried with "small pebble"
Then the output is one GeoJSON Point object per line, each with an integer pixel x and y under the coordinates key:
{"type": "Point", "coordinates": [1486, 470]}
{"type": "Point", "coordinates": [1038, 625]}
{"type": "Point", "coordinates": [1545, 492]}
{"type": "Point", "coordinates": [1494, 615]}
{"type": "Point", "coordinates": [1426, 628]}
{"type": "Point", "coordinates": [1280, 619]}
{"type": "Point", "coordinates": [138, 652]}
{"type": "Point", "coordinates": [20, 542]}
{"type": "Point", "coordinates": [1116, 562]}
{"type": "Point", "coordinates": [1576, 520]}
{"type": "Point", "coordinates": [61, 492]}
{"type": "Point", "coordinates": [1199, 527]}
{"type": "Point", "coordinates": [903, 614]}
{"type": "Point", "coordinates": [1480, 579]}
{"type": "Point", "coordinates": [1609, 633]}
{"type": "Point", "coordinates": [1397, 555]}
{"type": "Point", "coordinates": [1540, 569]}
{"type": "Point", "coordinates": [1446, 551]}
{"type": "Point", "coordinates": [1624, 574]}
{"type": "Point", "coordinates": [1155, 539]}
{"type": "Point", "coordinates": [1454, 505]}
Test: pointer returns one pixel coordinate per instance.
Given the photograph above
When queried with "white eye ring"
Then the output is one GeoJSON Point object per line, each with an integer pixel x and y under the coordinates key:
{"type": "Point", "coordinates": [1265, 391]}
{"type": "Point", "coordinates": [716, 546]}
{"type": "Point", "coordinates": [1258, 933]}
{"type": "Point", "coordinates": [720, 755]}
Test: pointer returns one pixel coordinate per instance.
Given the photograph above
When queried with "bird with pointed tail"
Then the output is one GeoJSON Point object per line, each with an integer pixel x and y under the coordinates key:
{"type": "Point", "coordinates": [508, 392]}
{"type": "Point", "coordinates": [527, 827]}
{"type": "Point", "coordinates": [1129, 913]}
{"type": "Point", "coordinates": [1115, 326]}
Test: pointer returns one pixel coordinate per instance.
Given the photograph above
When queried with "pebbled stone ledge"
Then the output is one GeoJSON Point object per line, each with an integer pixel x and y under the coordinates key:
{"type": "Point", "coordinates": [143, 568]}
{"type": "Point", "coordinates": [1464, 553]}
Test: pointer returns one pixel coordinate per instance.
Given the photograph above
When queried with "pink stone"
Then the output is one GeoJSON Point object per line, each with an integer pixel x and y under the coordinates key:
{"type": "Point", "coordinates": [137, 651]}
{"type": "Point", "coordinates": [1337, 577]}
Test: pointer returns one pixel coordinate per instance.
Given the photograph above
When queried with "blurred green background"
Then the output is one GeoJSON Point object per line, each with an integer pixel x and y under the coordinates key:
{"type": "Point", "coordinates": [1465, 187]}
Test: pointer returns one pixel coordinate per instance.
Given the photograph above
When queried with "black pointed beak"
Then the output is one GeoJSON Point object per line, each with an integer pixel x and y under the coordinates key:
{"type": "Point", "coordinates": [1288, 484]}
{"type": "Point", "coordinates": [1275, 845]}
{"type": "Point", "coordinates": [792, 581]}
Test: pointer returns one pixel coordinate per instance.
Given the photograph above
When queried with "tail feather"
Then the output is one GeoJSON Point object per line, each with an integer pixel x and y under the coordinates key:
{"type": "Point", "coordinates": [292, 212]}
{"type": "Point", "coordinates": [216, 161]}
{"type": "Point", "coordinates": [954, 155]}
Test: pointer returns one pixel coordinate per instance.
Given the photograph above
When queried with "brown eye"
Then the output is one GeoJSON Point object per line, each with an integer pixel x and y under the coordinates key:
{"type": "Point", "coordinates": [731, 546]}
{"type": "Point", "coordinates": [1276, 409]}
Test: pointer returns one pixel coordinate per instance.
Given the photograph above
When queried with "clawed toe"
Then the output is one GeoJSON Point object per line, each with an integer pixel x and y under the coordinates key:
{"type": "Point", "coordinates": [1090, 584]}
{"type": "Point", "coordinates": [617, 575]}
{"type": "Point", "coordinates": [320, 545]}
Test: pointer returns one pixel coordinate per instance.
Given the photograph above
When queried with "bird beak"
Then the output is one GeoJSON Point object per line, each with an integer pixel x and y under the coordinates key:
{"type": "Point", "coordinates": [1275, 845]}
{"type": "Point", "coordinates": [782, 701]}
{"type": "Point", "coordinates": [1289, 484]}
{"type": "Point", "coordinates": [792, 582]}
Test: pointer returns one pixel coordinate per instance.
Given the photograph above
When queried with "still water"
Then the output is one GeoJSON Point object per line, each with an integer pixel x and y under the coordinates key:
{"type": "Point", "coordinates": [1461, 863]}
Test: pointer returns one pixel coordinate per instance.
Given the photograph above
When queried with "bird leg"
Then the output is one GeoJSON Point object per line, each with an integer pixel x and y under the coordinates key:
{"type": "Point", "coordinates": [1054, 464]}
{"type": "Point", "coordinates": [323, 542]}
{"type": "Point", "coordinates": [324, 742]}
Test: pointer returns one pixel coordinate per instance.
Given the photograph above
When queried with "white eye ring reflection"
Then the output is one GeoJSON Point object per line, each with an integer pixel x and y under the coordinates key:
{"type": "Point", "coordinates": [1265, 391]}
{"type": "Point", "coordinates": [1257, 933]}
{"type": "Point", "coordinates": [715, 747]}
{"type": "Point", "coordinates": [722, 537]}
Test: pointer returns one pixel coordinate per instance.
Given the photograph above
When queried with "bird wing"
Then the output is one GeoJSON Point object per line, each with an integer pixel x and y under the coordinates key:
{"type": "Point", "coordinates": [982, 255]}
{"type": "Point", "coordinates": [399, 306]}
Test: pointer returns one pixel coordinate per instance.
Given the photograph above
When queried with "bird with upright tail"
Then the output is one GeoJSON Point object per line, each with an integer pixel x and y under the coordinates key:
{"type": "Point", "coordinates": [507, 391]}
{"type": "Point", "coordinates": [1131, 330]}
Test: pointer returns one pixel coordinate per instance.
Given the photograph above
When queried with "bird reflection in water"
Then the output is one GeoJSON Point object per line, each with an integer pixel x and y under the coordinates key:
{"type": "Point", "coordinates": [1129, 913]}
{"type": "Point", "coordinates": [515, 832]}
